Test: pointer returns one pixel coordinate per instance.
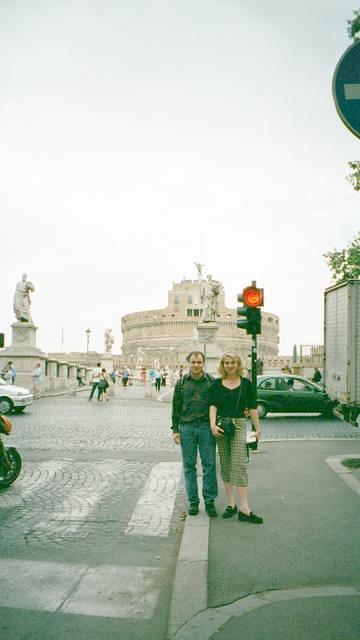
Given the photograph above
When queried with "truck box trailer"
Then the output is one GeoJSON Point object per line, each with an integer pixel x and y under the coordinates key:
{"type": "Point", "coordinates": [342, 347]}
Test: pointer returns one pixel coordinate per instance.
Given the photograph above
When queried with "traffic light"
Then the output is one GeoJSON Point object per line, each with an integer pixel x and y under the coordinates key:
{"type": "Point", "coordinates": [253, 298]}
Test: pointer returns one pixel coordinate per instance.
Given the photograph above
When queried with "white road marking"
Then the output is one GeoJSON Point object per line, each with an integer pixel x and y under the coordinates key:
{"type": "Point", "coordinates": [107, 590]}
{"type": "Point", "coordinates": [154, 509]}
{"type": "Point", "coordinates": [352, 91]}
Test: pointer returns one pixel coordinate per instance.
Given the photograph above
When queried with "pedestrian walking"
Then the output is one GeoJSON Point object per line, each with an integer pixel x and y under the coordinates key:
{"type": "Point", "coordinates": [317, 375]}
{"type": "Point", "coordinates": [157, 380]}
{"type": "Point", "coordinates": [37, 380]}
{"type": "Point", "coordinates": [231, 396]}
{"type": "Point", "coordinates": [164, 375]}
{"type": "Point", "coordinates": [95, 378]}
{"type": "Point", "coordinates": [125, 376]}
{"type": "Point", "coordinates": [191, 429]}
{"type": "Point", "coordinates": [103, 386]}
{"type": "Point", "coordinates": [12, 371]}
{"type": "Point", "coordinates": [152, 373]}
{"type": "Point", "coordinates": [143, 376]}
{"type": "Point", "coordinates": [113, 375]}
{"type": "Point", "coordinates": [6, 374]}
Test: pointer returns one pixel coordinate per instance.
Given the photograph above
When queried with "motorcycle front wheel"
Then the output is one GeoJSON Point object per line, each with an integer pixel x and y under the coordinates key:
{"type": "Point", "coordinates": [8, 474]}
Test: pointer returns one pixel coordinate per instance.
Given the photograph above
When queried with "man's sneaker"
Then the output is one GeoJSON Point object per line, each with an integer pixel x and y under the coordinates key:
{"type": "Point", "coordinates": [210, 509]}
{"type": "Point", "coordinates": [193, 508]}
{"type": "Point", "coordinates": [229, 511]}
{"type": "Point", "coordinates": [250, 518]}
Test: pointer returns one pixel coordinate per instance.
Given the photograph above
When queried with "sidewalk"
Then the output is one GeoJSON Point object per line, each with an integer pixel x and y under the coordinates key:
{"type": "Point", "coordinates": [295, 577]}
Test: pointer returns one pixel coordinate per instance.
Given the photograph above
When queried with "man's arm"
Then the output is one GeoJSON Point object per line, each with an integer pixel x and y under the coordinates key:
{"type": "Point", "coordinates": [176, 407]}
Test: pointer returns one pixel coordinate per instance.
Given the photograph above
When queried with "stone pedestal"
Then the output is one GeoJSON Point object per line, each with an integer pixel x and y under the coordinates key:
{"type": "Point", "coordinates": [206, 342]}
{"type": "Point", "coordinates": [24, 338]}
{"type": "Point", "coordinates": [24, 353]}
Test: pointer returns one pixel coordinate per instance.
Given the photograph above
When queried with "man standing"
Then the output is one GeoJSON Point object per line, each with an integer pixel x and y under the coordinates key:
{"type": "Point", "coordinates": [13, 371]}
{"type": "Point", "coordinates": [191, 429]}
{"type": "Point", "coordinates": [95, 379]}
{"type": "Point", "coordinates": [37, 378]}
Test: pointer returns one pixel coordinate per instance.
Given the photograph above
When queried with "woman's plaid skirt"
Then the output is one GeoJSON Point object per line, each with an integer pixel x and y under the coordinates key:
{"type": "Point", "coordinates": [233, 455]}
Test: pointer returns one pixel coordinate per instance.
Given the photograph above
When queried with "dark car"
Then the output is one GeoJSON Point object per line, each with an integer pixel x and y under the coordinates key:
{"type": "Point", "coordinates": [279, 393]}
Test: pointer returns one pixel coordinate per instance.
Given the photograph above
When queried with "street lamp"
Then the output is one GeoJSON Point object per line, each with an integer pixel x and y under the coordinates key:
{"type": "Point", "coordinates": [87, 340]}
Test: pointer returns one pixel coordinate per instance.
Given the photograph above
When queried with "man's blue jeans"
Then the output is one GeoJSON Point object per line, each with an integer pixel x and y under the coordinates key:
{"type": "Point", "coordinates": [196, 436]}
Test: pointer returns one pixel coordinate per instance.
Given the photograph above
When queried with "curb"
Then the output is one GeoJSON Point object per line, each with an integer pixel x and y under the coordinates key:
{"type": "Point", "coordinates": [345, 474]}
{"type": "Point", "coordinates": [189, 596]}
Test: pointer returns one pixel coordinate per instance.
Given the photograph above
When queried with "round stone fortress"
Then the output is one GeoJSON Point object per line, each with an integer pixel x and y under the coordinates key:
{"type": "Point", "coordinates": [165, 336]}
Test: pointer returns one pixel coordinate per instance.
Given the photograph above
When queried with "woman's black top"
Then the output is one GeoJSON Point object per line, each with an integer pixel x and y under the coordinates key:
{"type": "Point", "coordinates": [225, 399]}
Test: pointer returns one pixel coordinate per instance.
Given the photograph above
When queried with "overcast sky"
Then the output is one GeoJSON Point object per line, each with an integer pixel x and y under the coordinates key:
{"type": "Point", "coordinates": [139, 136]}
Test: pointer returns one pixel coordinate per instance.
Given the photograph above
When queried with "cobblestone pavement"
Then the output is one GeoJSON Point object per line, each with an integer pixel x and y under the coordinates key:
{"type": "Point", "coordinates": [97, 505]}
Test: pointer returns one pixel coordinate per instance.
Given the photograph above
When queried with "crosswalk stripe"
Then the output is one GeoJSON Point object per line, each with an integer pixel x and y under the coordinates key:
{"type": "Point", "coordinates": [154, 509]}
{"type": "Point", "coordinates": [105, 590]}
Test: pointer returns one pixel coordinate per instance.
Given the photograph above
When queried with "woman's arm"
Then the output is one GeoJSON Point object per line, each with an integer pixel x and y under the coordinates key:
{"type": "Point", "coordinates": [256, 422]}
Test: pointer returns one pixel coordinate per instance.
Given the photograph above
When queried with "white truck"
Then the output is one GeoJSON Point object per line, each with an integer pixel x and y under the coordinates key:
{"type": "Point", "coordinates": [342, 348]}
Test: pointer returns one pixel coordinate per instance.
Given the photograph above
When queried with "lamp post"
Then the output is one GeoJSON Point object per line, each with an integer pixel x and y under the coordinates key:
{"type": "Point", "coordinates": [87, 342]}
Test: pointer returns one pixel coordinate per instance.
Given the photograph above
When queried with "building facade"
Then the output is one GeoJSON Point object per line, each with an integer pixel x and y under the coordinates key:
{"type": "Point", "coordinates": [165, 336]}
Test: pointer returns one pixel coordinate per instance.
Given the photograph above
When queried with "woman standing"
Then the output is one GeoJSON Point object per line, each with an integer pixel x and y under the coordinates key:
{"type": "Point", "coordinates": [230, 396]}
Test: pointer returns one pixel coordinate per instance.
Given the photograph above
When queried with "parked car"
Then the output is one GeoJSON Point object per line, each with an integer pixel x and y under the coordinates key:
{"type": "Point", "coordinates": [279, 393]}
{"type": "Point", "coordinates": [13, 398]}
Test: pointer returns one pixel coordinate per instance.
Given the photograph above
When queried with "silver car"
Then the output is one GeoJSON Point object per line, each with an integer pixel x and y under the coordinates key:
{"type": "Point", "coordinates": [13, 398]}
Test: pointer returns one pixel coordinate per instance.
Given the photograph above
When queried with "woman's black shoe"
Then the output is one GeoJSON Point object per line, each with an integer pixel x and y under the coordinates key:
{"type": "Point", "coordinates": [250, 518]}
{"type": "Point", "coordinates": [229, 511]}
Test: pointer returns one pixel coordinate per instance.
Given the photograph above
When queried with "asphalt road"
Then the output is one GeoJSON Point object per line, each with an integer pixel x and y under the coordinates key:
{"type": "Point", "coordinates": [90, 531]}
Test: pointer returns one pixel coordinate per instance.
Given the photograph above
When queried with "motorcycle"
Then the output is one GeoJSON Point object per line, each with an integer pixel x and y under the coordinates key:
{"type": "Point", "coordinates": [10, 459]}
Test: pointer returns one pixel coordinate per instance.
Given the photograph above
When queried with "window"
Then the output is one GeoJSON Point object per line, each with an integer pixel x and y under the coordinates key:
{"type": "Point", "coordinates": [269, 384]}
{"type": "Point", "coordinates": [299, 385]}
{"type": "Point", "coordinates": [189, 300]}
{"type": "Point", "coordinates": [189, 312]}
{"type": "Point", "coordinates": [196, 312]}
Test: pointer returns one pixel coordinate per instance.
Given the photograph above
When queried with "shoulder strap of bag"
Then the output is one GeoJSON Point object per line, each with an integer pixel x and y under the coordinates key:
{"type": "Point", "coordinates": [239, 396]}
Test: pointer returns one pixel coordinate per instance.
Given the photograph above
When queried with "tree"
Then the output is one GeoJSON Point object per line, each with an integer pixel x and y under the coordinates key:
{"type": "Point", "coordinates": [345, 264]}
{"type": "Point", "coordinates": [354, 26]}
{"type": "Point", "coordinates": [354, 177]}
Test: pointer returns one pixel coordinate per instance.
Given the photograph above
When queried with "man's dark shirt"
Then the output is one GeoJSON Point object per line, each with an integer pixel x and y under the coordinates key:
{"type": "Point", "coordinates": [191, 403]}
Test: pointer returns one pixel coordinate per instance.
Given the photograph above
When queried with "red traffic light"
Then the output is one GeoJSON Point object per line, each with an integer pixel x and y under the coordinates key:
{"type": "Point", "coordinates": [253, 297]}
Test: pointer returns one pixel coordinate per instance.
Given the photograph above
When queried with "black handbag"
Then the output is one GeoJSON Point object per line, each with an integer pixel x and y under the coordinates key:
{"type": "Point", "coordinates": [227, 423]}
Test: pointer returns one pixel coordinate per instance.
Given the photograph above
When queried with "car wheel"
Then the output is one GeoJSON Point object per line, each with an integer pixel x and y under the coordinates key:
{"type": "Point", "coordinates": [6, 406]}
{"type": "Point", "coordinates": [328, 413]}
{"type": "Point", "coordinates": [19, 409]}
{"type": "Point", "coordinates": [261, 409]}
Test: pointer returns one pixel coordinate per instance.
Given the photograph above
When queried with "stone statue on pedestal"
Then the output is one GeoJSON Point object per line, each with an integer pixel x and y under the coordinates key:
{"type": "Point", "coordinates": [109, 340]}
{"type": "Point", "coordinates": [210, 290]}
{"type": "Point", "coordinates": [140, 353]}
{"type": "Point", "coordinates": [22, 300]}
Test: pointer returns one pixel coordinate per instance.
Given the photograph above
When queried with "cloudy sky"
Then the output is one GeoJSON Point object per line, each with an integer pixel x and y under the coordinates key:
{"type": "Point", "coordinates": [139, 136]}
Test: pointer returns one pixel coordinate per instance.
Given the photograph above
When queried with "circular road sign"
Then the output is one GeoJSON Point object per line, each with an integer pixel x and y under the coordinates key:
{"type": "Point", "coordinates": [346, 88]}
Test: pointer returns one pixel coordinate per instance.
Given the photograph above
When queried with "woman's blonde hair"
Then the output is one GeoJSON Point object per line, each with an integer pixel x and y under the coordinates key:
{"type": "Point", "coordinates": [236, 357]}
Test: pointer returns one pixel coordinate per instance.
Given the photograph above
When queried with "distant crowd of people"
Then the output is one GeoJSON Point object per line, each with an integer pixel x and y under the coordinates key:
{"type": "Point", "coordinates": [100, 379]}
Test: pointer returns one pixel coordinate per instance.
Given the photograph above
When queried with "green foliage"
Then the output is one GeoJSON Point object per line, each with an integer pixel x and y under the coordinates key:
{"type": "Point", "coordinates": [345, 264]}
{"type": "Point", "coordinates": [354, 177]}
{"type": "Point", "coordinates": [354, 26]}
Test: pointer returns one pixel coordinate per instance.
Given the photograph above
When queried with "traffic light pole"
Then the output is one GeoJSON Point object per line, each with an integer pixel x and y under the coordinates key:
{"type": "Point", "coordinates": [254, 369]}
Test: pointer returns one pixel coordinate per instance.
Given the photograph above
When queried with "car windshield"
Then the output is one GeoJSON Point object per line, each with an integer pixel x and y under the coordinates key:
{"type": "Point", "coordinates": [2, 381]}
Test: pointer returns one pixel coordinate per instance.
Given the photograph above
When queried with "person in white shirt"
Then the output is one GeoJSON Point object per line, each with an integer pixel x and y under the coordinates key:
{"type": "Point", "coordinates": [37, 379]}
{"type": "Point", "coordinates": [95, 379]}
